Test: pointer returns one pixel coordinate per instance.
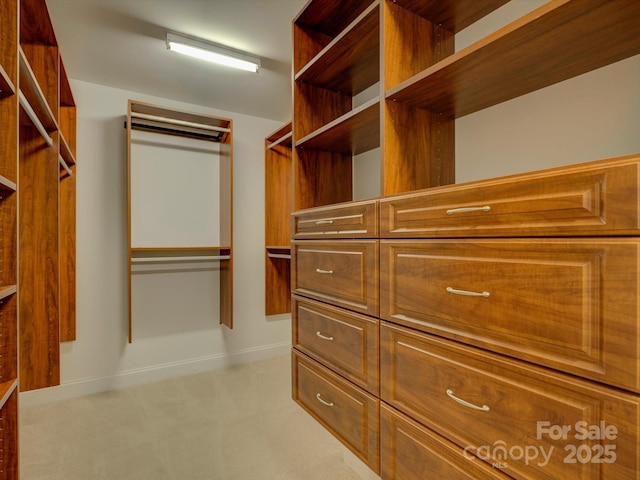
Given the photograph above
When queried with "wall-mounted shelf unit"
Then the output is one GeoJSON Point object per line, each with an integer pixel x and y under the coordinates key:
{"type": "Point", "coordinates": [278, 207]}
{"type": "Point", "coordinates": [192, 215]}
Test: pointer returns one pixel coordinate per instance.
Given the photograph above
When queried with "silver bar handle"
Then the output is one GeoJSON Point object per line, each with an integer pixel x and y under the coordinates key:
{"type": "Point", "coordinates": [324, 337]}
{"type": "Point", "coordinates": [467, 293]}
{"type": "Point", "coordinates": [483, 408]}
{"type": "Point", "coordinates": [324, 222]}
{"type": "Point", "coordinates": [484, 208]}
{"type": "Point", "coordinates": [324, 402]}
{"type": "Point", "coordinates": [328, 272]}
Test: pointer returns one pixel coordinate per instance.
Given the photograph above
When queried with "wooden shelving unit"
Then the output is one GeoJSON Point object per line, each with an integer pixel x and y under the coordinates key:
{"type": "Point", "coordinates": [37, 286]}
{"type": "Point", "coordinates": [165, 121]}
{"type": "Point", "coordinates": [278, 207]}
{"type": "Point", "coordinates": [424, 86]}
{"type": "Point", "coordinates": [336, 56]}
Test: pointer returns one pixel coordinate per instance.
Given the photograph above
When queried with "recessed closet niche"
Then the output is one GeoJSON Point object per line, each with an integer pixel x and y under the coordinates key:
{"type": "Point", "coordinates": [179, 219]}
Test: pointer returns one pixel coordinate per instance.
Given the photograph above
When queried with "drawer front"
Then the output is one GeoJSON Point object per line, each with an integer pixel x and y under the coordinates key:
{"type": "Point", "coordinates": [345, 342]}
{"type": "Point", "coordinates": [340, 272]}
{"type": "Point", "coordinates": [348, 412]}
{"type": "Point", "coordinates": [409, 451]}
{"type": "Point", "coordinates": [597, 198]}
{"type": "Point", "coordinates": [509, 412]}
{"type": "Point", "coordinates": [567, 304]}
{"type": "Point", "coordinates": [348, 220]}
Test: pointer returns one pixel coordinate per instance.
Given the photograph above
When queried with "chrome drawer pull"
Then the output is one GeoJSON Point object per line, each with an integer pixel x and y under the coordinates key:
{"type": "Point", "coordinates": [467, 293]}
{"type": "Point", "coordinates": [484, 208]}
{"type": "Point", "coordinates": [484, 408]}
{"type": "Point", "coordinates": [324, 337]}
{"type": "Point", "coordinates": [328, 404]}
{"type": "Point", "coordinates": [319, 270]}
{"type": "Point", "coordinates": [324, 222]}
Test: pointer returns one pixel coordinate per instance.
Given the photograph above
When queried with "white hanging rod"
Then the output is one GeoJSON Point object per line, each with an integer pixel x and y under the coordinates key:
{"type": "Point", "coordinates": [186, 258]}
{"type": "Point", "coordinates": [280, 140]}
{"type": "Point", "coordinates": [34, 119]}
{"type": "Point", "coordinates": [279, 255]}
{"type": "Point", "coordinates": [64, 165]}
{"type": "Point", "coordinates": [183, 123]}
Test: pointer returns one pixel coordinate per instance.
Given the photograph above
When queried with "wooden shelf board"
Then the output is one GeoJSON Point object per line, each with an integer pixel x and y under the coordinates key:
{"type": "Point", "coordinates": [6, 184]}
{"type": "Point", "coordinates": [65, 151]}
{"type": "Point", "coordinates": [138, 107]}
{"type": "Point", "coordinates": [6, 389]}
{"type": "Point", "coordinates": [278, 248]}
{"type": "Point", "coordinates": [7, 290]}
{"type": "Point", "coordinates": [351, 62]}
{"type": "Point", "coordinates": [558, 41]}
{"type": "Point", "coordinates": [282, 136]}
{"type": "Point", "coordinates": [454, 15]}
{"type": "Point", "coordinates": [330, 17]}
{"type": "Point", "coordinates": [32, 92]}
{"type": "Point", "coordinates": [355, 132]}
{"type": "Point", "coordinates": [208, 249]}
{"type": "Point", "coordinates": [7, 87]}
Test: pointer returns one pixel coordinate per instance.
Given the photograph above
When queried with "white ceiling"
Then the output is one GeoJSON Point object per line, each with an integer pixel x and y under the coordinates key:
{"type": "Point", "coordinates": [121, 43]}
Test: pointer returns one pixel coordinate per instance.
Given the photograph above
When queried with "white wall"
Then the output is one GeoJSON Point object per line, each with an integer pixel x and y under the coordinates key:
{"type": "Point", "coordinates": [101, 358]}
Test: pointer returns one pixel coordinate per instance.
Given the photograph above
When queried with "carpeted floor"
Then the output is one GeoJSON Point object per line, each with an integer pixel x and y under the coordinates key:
{"type": "Point", "coordinates": [233, 424]}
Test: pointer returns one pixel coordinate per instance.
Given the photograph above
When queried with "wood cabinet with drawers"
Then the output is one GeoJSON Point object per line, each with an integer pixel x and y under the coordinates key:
{"type": "Point", "coordinates": [506, 309]}
{"type": "Point", "coordinates": [509, 321]}
{"type": "Point", "coordinates": [334, 281]}
{"type": "Point", "coordinates": [487, 356]}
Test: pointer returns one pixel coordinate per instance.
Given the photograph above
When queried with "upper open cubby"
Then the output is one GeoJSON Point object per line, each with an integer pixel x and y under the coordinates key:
{"type": "Point", "coordinates": [407, 46]}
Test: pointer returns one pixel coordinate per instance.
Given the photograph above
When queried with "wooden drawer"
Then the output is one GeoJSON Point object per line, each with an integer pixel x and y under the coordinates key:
{"type": "Point", "coordinates": [340, 272]}
{"type": "Point", "coordinates": [595, 198]}
{"type": "Point", "coordinates": [569, 304]}
{"type": "Point", "coordinates": [409, 451]}
{"type": "Point", "coordinates": [345, 220]}
{"type": "Point", "coordinates": [348, 412]}
{"type": "Point", "coordinates": [511, 405]}
{"type": "Point", "coordinates": [345, 342]}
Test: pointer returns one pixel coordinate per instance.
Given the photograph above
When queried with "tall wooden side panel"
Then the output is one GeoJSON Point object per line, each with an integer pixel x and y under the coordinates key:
{"type": "Point", "coordinates": [39, 262]}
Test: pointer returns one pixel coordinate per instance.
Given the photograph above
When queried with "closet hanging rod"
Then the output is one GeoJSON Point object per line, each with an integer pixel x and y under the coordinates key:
{"type": "Point", "coordinates": [280, 140]}
{"type": "Point", "coordinates": [24, 103]}
{"type": "Point", "coordinates": [183, 123]}
{"type": "Point", "coordinates": [64, 165]}
{"type": "Point", "coordinates": [186, 258]}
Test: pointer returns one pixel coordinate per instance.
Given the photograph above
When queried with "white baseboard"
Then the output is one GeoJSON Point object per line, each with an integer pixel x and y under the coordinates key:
{"type": "Point", "coordinates": [150, 374]}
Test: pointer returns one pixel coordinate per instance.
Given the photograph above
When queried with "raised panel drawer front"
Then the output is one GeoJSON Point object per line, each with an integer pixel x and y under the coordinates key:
{"type": "Point", "coordinates": [350, 220]}
{"type": "Point", "coordinates": [348, 412]}
{"type": "Point", "coordinates": [409, 451]}
{"type": "Point", "coordinates": [532, 422]}
{"type": "Point", "coordinates": [569, 304]}
{"type": "Point", "coordinates": [345, 342]}
{"type": "Point", "coordinates": [340, 272]}
{"type": "Point", "coordinates": [596, 198]}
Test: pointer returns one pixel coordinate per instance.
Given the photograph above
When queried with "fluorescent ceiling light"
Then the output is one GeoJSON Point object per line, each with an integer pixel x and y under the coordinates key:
{"type": "Point", "coordinates": [212, 52]}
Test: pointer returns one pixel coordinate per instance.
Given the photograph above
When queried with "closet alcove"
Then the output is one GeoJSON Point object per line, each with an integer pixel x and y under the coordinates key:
{"type": "Point", "coordinates": [179, 197]}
